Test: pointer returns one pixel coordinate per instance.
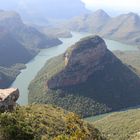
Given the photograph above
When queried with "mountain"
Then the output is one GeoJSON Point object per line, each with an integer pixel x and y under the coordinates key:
{"type": "Point", "coordinates": [87, 79]}
{"type": "Point", "coordinates": [92, 22]}
{"type": "Point", "coordinates": [11, 51]}
{"type": "Point", "coordinates": [124, 28]}
{"type": "Point", "coordinates": [45, 122]}
{"type": "Point", "coordinates": [123, 125]}
{"type": "Point", "coordinates": [26, 35]}
{"type": "Point", "coordinates": [19, 43]}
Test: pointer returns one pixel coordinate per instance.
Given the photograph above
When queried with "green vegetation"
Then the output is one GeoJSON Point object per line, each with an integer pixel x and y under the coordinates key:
{"type": "Point", "coordinates": [37, 86]}
{"type": "Point", "coordinates": [44, 122]}
{"type": "Point", "coordinates": [123, 125]}
{"type": "Point", "coordinates": [74, 98]}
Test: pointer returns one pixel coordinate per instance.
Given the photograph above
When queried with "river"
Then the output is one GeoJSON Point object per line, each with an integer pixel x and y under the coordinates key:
{"type": "Point", "coordinates": [27, 75]}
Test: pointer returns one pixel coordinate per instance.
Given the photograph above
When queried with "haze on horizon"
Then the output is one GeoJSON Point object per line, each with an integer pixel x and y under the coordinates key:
{"type": "Point", "coordinates": [40, 11]}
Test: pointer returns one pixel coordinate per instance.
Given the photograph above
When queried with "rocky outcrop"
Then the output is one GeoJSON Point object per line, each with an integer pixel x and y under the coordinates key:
{"type": "Point", "coordinates": [8, 98]}
{"type": "Point", "coordinates": [80, 62]}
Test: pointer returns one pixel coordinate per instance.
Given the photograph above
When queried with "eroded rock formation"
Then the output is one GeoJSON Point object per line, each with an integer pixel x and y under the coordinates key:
{"type": "Point", "coordinates": [81, 60]}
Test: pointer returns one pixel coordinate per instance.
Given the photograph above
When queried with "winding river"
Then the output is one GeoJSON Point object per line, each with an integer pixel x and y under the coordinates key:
{"type": "Point", "coordinates": [27, 75]}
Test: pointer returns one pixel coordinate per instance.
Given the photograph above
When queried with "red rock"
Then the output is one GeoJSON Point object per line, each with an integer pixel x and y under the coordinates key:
{"type": "Point", "coordinates": [8, 98]}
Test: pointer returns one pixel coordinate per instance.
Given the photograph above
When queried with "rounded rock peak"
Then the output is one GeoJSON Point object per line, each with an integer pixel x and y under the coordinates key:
{"type": "Point", "coordinates": [89, 42]}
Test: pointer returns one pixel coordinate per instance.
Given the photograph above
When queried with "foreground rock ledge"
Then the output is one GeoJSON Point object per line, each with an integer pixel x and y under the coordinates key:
{"type": "Point", "coordinates": [8, 98]}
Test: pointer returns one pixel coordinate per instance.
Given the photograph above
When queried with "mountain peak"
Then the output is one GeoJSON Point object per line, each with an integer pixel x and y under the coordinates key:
{"type": "Point", "coordinates": [88, 42]}
{"type": "Point", "coordinates": [101, 12]}
{"type": "Point", "coordinates": [8, 14]}
{"type": "Point", "coordinates": [85, 54]}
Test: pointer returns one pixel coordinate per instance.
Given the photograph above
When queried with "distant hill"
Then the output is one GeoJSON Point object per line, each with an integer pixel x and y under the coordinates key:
{"type": "Point", "coordinates": [93, 22]}
{"type": "Point", "coordinates": [11, 51]}
{"type": "Point", "coordinates": [59, 9]}
{"type": "Point", "coordinates": [87, 79]}
{"type": "Point", "coordinates": [45, 122]}
{"type": "Point", "coordinates": [123, 125]}
{"type": "Point", "coordinates": [39, 11]}
{"type": "Point", "coordinates": [124, 28]}
{"type": "Point", "coordinates": [26, 35]}
{"type": "Point", "coordinates": [55, 32]}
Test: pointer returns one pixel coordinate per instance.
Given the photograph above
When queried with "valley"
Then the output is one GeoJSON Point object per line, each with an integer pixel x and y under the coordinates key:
{"type": "Point", "coordinates": [68, 72]}
{"type": "Point", "coordinates": [19, 43]}
{"type": "Point", "coordinates": [58, 84]}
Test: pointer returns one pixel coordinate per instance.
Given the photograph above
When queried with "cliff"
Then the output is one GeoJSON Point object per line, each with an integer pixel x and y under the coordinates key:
{"type": "Point", "coordinates": [79, 68]}
{"type": "Point", "coordinates": [87, 79]}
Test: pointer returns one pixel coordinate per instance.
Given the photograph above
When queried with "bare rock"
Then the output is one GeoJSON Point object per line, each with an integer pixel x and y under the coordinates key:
{"type": "Point", "coordinates": [8, 98]}
{"type": "Point", "coordinates": [81, 60]}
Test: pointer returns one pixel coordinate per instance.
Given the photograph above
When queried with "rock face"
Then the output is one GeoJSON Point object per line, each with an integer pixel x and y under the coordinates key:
{"type": "Point", "coordinates": [81, 61]}
{"type": "Point", "coordinates": [8, 98]}
{"type": "Point", "coordinates": [87, 79]}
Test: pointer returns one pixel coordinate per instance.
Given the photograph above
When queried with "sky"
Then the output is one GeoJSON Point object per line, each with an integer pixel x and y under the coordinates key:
{"type": "Point", "coordinates": [117, 6]}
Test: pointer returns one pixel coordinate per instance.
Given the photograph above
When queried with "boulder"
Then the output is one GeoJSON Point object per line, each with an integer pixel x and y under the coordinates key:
{"type": "Point", "coordinates": [8, 98]}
